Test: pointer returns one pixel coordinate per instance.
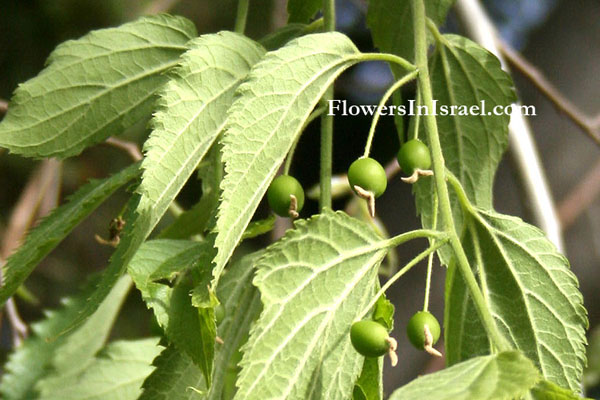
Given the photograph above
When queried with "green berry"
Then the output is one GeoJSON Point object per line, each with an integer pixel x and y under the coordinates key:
{"type": "Point", "coordinates": [416, 329]}
{"type": "Point", "coordinates": [369, 338]}
{"type": "Point", "coordinates": [279, 193]}
{"type": "Point", "coordinates": [369, 175]}
{"type": "Point", "coordinates": [219, 313]}
{"type": "Point", "coordinates": [414, 154]}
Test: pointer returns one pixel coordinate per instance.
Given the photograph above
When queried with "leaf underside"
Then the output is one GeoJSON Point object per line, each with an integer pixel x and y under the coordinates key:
{"type": "Point", "coordinates": [313, 284]}
{"type": "Point", "coordinates": [465, 74]}
{"type": "Point", "coordinates": [531, 293]}
{"type": "Point", "coordinates": [93, 87]}
{"type": "Point", "coordinates": [264, 121]}
{"type": "Point", "coordinates": [504, 376]}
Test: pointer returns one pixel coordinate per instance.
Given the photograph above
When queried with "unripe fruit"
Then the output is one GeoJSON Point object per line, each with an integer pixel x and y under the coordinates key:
{"type": "Point", "coordinates": [369, 175]}
{"type": "Point", "coordinates": [279, 193]}
{"type": "Point", "coordinates": [416, 329]}
{"type": "Point", "coordinates": [413, 155]}
{"type": "Point", "coordinates": [369, 338]}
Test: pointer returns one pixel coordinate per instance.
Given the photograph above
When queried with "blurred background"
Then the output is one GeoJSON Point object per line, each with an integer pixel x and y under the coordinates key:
{"type": "Point", "coordinates": [561, 38]}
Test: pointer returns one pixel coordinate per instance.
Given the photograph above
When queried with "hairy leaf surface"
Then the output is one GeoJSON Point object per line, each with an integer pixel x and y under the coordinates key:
{"type": "Point", "coordinates": [117, 372]}
{"type": "Point", "coordinates": [45, 352]}
{"type": "Point", "coordinates": [504, 376]}
{"type": "Point", "coordinates": [314, 283]}
{"type": "Point", "coordinates": [93, 87]}
{"type": "Point", "coordinates": [192, 112]}
{"type": "Point", "coordinates": [56, 226]}
{"type": "Point", "coordinates": [531, 293]}
{"type": "Point", "coordinates": [271, 107]}
{"type": "Point", "coordinates": [465, 74]}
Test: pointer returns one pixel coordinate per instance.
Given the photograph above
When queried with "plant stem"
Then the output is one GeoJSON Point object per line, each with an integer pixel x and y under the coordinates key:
{"type": "Point", "coordinates": [430, 258]}
{"type": "Point", "coordinates": [326, 122]}
{"type": "Point", "coordinates": [242, 16]}
{"type": "Point", "coordinates": [391, 58]}
{"type": "Point", "coordinates": [429, 121]}
{"type": "Point", "coordinates": [405, 79]}
{"type": "Point", "coordinates": [399, 274]}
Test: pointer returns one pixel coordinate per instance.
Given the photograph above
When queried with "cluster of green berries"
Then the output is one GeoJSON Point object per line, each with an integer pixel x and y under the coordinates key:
{"type": "Point", "coordinates": [366, 177]}
{"type": "Point", "coordinates": [371, 339]}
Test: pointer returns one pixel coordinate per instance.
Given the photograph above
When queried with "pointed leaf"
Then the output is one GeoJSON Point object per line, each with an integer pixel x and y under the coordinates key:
{"type": "Point", "coordinates": [39, 353]}
{"type": "Point", "coordinates": [314, 283]}
{"type": "Point", "coordinates": [545, 390]}
{"type": "Point", "coordinates": [504, 376]}
{"type": "Point", "coordinates": [272, 105]}
{"type": "Point", "coordinates": [93, 87]}
{"type": "Point", "coordinates": [391, 24]}
{"type": "Point", "coordinates": [173, 378]}
{"type": "Point", "coordinates": [192, 111]}
{"type": "Point", "coordinates": [116, 373]}
{"type": "Point", "coordinates": [158, 259]}
{"type": "Point", "coordinates": [203, 85]}
{"type": "Point", "coordinates": [55, 227]}
{"type": "Point", "coordinates": [175, 372]}
{"type": "Point", "coordinates": [465, 74]}
{"type": "Point", "coordinates": [302, 10]}
{"type": "Point", "coordinates": [369, 385]}
{"type": "Point", "coordinates": [531, 293]}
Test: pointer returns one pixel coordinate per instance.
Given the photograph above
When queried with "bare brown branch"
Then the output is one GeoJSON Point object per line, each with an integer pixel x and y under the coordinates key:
{"type": "Point", "coordinates": [589, 125]}
{"type": "Point", "coordinates": [3, 107]}
{"type": "Point", "coordinates": [580, 197]}
{"type": "Point", "coordinates": [159, 6]}
{"type": "Point", "coordinates": [31, 205]}
{"type": "Point", "coordinates": [131, 148]}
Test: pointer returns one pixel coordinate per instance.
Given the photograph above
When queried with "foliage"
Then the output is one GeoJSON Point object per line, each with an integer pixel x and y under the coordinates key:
{"type": "Point", "coordinates": [228, 112]}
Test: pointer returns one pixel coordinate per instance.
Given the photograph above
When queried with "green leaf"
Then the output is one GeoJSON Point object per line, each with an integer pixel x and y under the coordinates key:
{"type": "Point", "coordinates": [175, 372]}
{"type": "Point", "coordinates": [271, 107]}
{"type": "Point", "coordinates": [173, 378]}
{"type": "Point", "coordinates": [242, 307]}
{"type": "Point", "coordinates": [545, 390]}
{"type": "Point", "coordinates": [41, 354]}
{"type": "Point", "coordinates": [180, 138]}
{"type": "Point", "coordinates": [302, 10]}
{"type": "Point", "coordinates": [192, 112]}
{"type": "Point", "coordinates": [369, 385]}
{"type": "Point", "coordinates": [391, 24]}
{"type": "Point", "coordinates": [280, 37]}
{"type": "Point", "coordinates": [591, 374]}
{"type": "Point", "coordinates": [465, 74]}
{"type": "Point", "coordinates": [93, 87]}
{"type": "Point", "coordinates": [55, 227]}
{"type": "Point", "coordinates": [182, 323]}
{"type": "Point", "coordinates": [117, 372]}
{"type": "Point", "coordinates": [384, 312]}
{"type": "Point", "coordinates": [504, 376]}
{"type": "Point", "coordinates": [300, 346]}
{"type": "Point", "coordinates": [531, 293]}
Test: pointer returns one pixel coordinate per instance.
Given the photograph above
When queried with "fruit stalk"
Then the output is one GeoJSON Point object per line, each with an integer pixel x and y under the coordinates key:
{"type": "Point", "coordinates": [430, 123]}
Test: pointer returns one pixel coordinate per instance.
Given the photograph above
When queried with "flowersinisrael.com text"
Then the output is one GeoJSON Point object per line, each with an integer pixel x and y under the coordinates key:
{"type": "Point", "coordinates": [341, 108]}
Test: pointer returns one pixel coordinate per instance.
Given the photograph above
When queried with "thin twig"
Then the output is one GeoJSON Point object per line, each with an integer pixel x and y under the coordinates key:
{"type": "Point", "coordinates": [159, 6]}
{"type": "Point", "coordinates": [131, 148]}
{"type": "Point", "coordinates": [529, 168]}
{"type": "Point", "coordinates": [3, 106]}
{"type": "Point", "coordinates": [589, 125]}
{"type": "Point", "coordinates": [30, 205]}
{"type": "Point", "coordinates": [580, 197]}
